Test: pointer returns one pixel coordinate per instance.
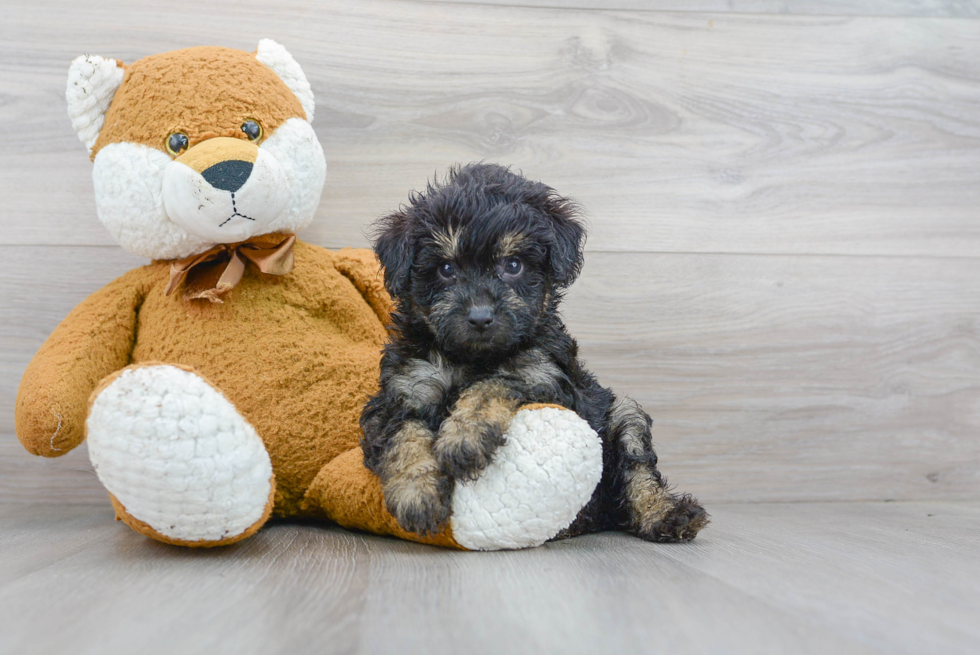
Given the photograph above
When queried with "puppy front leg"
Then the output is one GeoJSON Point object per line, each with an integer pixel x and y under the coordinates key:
{"type": "Point", "coordinates": [654, 513]}
{"type": "Point", "coordinates": [475, 428]}
{"type": "Point", "coordinates": [417, 493]}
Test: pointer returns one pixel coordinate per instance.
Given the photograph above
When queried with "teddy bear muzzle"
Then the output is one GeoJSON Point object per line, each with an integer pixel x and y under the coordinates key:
{"type": "Point", "coordinates": [225, 190]}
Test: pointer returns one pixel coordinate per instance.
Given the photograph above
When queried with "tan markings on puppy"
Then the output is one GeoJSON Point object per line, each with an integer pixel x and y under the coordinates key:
{"type": "Point", "coordinates": [475, 428]}
{"type": "Point", "coordinates": [413, 483]}
{"type": "Point", "coordinates": [534, 369]}
{"type": "Point", "coordinates": [448, 242]}
{"type": "Point", "coordinates": [423, 383]}
{"type": "Point", "coordinates": [627, 419]}
{"type": "Point", "coordinates": [438, 313]}
{"type": "Point", "coordinates": [220, 89]}
{"type": "Point", "coordinates": [648, 500]}
{"type": "Point", "coordinates": [513, 303]}
{"type": "Point", "coordinates": [511, 244]}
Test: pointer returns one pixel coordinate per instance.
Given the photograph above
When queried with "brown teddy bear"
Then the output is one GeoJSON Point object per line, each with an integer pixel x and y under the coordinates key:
{"type": "Point", "coordinates": [222, 383]}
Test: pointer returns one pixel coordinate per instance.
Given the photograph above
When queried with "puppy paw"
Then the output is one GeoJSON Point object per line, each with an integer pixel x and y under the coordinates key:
{"type": "Point", "coordinates": [681, 522]}
{"type": "Point", "coordinates": [420, 504]}
{"type": "Point", "coordinates": [463, 449]}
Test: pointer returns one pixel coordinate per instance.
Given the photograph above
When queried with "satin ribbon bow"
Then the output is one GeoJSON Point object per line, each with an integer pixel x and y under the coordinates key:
{"type": "Point", "coordinates": [210, 275]}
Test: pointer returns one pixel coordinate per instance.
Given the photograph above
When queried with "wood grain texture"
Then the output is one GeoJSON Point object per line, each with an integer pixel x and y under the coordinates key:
{"type": "Point", "coordinates": [678, 132]}
{"type": "Point", "coordinates": [841, 578]}
{"type": "Point", "coordinates": [895, 8]}
{"type": "Point", "coordinates": [769, 377]}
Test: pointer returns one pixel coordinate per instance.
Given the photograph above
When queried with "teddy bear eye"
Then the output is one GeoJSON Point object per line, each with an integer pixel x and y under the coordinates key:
{"type": "Point", "coordinates": [176, 143]}
{"type": "Point", "coordinates": [252, 130]}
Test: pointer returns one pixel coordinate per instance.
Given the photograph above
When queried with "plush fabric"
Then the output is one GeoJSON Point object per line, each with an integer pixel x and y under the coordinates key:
{"type": "Point", "coordinates": [296, 355]}
{"type": "Point", "coordinates": [176, 452]}
{"type": "Point", "coordinates": [207, 413]}
{"type": "Point", "coordinates": [219, 89]}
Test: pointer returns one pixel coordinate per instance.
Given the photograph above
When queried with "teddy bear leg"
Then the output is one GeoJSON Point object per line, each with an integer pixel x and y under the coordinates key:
{"type": "Point", "coordinates": [347, 493]}
{"type": "Point", "coordinates": [180, 463]}
{"type": "Point", "coordinates": [534, 487]}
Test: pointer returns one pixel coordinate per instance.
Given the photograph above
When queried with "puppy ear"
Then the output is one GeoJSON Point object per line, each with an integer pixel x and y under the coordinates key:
{"type": "Point", "coordinates": [392, 245]}
{"type": "Point", "coordinates": [565, 253]}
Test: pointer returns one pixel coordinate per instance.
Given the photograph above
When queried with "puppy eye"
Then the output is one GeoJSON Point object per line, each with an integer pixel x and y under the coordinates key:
{"type": "Point", "coordinates": [176, 143]}
{"type": "Point", "coordinates": [513, 267]}
{"type": "Point", "coordinates": [252, 130]}
{"type": "Point", "coordinates": [447, 271]}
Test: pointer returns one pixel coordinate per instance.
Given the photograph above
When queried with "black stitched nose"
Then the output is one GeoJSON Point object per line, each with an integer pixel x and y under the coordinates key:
{"type": "Point", "coordinates": [480, 317]}
{"type": "Point", "coordinates": [228, 175]}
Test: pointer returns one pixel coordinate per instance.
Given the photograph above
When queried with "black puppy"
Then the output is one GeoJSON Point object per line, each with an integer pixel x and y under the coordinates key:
{"type": "Point", "coordinates": [476, 266]}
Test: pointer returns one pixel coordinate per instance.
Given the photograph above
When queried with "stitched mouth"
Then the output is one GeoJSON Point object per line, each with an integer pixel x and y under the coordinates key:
{"type": "Point", "coordinates": [235, 212]}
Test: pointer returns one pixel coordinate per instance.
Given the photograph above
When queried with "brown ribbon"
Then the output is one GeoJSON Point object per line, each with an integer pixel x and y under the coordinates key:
{"type": "Point", "coordinates": [210, 275]}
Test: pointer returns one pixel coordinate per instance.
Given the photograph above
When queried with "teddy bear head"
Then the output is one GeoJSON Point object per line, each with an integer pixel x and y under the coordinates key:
{"type": "Point", "coordinates": [198, 147]}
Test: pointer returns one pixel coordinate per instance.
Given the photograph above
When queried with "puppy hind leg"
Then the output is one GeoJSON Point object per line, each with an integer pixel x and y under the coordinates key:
{"type": "Point", "coordinates": [654, 513]}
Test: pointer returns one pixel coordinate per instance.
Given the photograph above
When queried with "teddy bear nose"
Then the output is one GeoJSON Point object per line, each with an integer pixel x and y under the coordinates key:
{"type": "Point", "coordinates": [228, 175]}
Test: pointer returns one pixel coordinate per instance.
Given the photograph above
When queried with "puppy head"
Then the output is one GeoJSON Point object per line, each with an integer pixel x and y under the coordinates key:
{"type": "Point", "coordinates": [480, 258]}
{"type": "Point", "coordinates": [198, 146]}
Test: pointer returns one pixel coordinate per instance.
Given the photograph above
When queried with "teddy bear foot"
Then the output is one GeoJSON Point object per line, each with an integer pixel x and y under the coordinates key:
{"type": "Point", "coordinates": [535, 486]}
{"type": "Point", "coordinates": [180, 463]}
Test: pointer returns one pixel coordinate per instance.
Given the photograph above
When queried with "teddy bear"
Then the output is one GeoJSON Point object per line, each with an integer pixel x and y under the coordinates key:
{"type": "Point", "coordinates": [221, 384]}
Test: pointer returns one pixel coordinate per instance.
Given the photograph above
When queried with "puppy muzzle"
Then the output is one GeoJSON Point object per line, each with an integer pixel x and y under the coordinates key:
{"type": "Point", "coordinates": [225, 190]}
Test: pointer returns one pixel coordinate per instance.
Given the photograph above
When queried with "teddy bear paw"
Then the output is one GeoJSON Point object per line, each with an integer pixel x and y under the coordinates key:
{"type": "Point", "coordinates": [539, 479]}
{"type": "Point", "coordinates": [178, 457]}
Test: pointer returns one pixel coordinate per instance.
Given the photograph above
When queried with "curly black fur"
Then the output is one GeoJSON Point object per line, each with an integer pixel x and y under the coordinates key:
{"type": "Point", "coordinates": [477, 265]}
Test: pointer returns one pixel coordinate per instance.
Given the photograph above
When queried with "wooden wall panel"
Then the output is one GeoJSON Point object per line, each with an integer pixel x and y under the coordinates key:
{"type": "Point", "coordinates": [785, 233]}
{"type": "Point", "coordinates": [679, 132]}
{"type": "Point", "coordinates": [769, 377]}
{"type": "Point", "coordinates": [893, 8]}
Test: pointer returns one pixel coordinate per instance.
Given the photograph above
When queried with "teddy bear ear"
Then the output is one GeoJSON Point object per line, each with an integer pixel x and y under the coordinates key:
{"type": "Point", "coordinates": [282, 63]}
{"type": "Point", "coordinates": [92, 81]}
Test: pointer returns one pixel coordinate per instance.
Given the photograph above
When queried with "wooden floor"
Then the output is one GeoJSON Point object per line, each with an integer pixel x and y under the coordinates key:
{"type": "Point", "coordinates": [765, 578]}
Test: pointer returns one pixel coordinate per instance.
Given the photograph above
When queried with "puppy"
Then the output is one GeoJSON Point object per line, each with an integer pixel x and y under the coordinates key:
{"type": "Point", "coordinates": [477, 266]}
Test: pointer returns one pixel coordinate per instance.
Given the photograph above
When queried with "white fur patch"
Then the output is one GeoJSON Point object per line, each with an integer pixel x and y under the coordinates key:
{"type": "Point", "coordinates": [224, 216]}
{"type": "Point", "coordinates": [129, 194]}
{"type": "Point", "coordinates": [298, 151]}
{"type": "Point", "coordinates": [177, 454]}
{"type": "Point", "coordinates": [537, 483]}
{"type": "Point", "coordinates": [128, 182]}
{"type": "Point", "coordinates": [288, 69]}
{"type": "Point", "coordinates": [92, 82]}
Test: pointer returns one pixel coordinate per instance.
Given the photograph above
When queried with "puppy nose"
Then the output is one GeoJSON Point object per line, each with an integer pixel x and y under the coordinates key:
{"type": "Point", "coordinates": [480, 317]}
{"type": "Point", "coordinates": [228, 175]}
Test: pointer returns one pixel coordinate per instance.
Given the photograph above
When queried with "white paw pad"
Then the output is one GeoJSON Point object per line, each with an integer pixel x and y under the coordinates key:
{"type": "Point", "coordinates": [177, 455]}
{"type": "Point", "coordinates": [534, 487]}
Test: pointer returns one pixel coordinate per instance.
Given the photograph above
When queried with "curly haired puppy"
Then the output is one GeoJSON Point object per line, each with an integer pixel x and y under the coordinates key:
{"type": "Point", "coordinates": [477, 266]}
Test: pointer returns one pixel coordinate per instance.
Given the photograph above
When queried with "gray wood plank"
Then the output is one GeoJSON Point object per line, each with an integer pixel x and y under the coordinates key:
{"type": "Point", "coordinates": [847, 578]}
{"type": "Point", "coordinates": [351, 593]}
{"type": "Point", "coordinates": [35, 535]}
{"type": "Point", "coordinates": [794, 378]}
{"type": "Point", "coordinates": [895, 8]}
{"type": "Point", "coordinates": [769, 377]}
{"type": "Point", "coordinates": [678, 132]}
{"type": "Point", "coordinates": [855, 565]}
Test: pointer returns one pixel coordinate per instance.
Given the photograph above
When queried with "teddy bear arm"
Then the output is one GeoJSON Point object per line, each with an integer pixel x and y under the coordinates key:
{"type": "Point", "coordinates": [94, 340]}
{"type": "Point", "coordinates": [362, 268]}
